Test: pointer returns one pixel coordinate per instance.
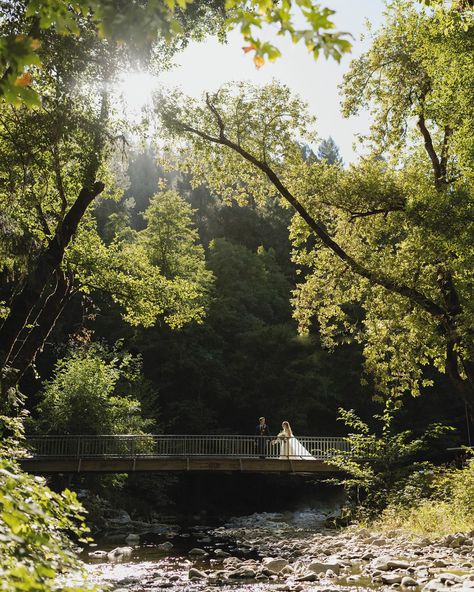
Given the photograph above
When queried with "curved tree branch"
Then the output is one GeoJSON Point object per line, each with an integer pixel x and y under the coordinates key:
{"type": "Point", "coordinates": [375, 278]}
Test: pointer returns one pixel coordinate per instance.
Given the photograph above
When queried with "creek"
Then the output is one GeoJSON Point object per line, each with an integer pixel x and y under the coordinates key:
{"type": "Point", "coordinates": [289, 549]}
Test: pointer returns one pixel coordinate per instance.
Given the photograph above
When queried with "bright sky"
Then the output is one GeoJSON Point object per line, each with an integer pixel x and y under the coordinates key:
{"type": "Point", "coordinates": [208, 65]}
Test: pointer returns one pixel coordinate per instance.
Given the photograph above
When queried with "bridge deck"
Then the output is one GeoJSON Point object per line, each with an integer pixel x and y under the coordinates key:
{"type": "Point", "coordinates": [157, 464]}
{"type": "Point", "coordinates": [147, 453]}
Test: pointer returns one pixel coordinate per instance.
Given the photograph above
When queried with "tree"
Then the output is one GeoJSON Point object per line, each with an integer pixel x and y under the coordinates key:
{"type": "Point", "coordinates": [155, 273]}
{"type": "Point", "coordinates": [384, 239]}
{"type": "Point", "coordinates": [381, 461]}
{"type": "Point", "coordinates": [328, 151]}
{"type": "Point", "coordinates": [89, 394]}
{"type": "Point", "coordinates": [144, 24]}
{"type": "Point", "coordinates": [51, 159]}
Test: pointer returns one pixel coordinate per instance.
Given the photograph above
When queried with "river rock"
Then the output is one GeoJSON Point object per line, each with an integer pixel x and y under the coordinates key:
{"type": "Point", "coordinates": [434, 586]}
{"type": "Point", "coordinates": [221, 553]}
{"type": "Point", "coordinates": [275, 565]}
{"type": "Point", "coordinates": [307, 577]}
{"type": "Point", "coordinates": [244, 573]}
{"type": "Point", "coordinates": [98, 554]}
{"type": "Point", "coordinates": [391, 578]}
{"type": "Point", "coordinates": [196, 574]}
{"type": "Point", "coordinates": [167, 546]}
{"type": "Point", "coordinates": [132, 539]}
{"type": "Point", "coordinates": [198, 552]}
{"type": "Point", "coordinates": [448, 577]}
{"type": "Point", "coordinates": [318, 567]}
{"type": "Point", "coordinates": [397, 564]}
{"type": "Point", "coordinates": [119, 553]}
{"type": "Point", "coordinates": [120, 518]}
{"type": "Point", "coordinates": [380, 563]}
{"type": "Point", "coordinates": [409, 582]}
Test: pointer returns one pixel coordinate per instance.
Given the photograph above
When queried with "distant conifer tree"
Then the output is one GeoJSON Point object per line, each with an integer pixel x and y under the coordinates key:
{"type": "Point", "coordinates": [329, 151]}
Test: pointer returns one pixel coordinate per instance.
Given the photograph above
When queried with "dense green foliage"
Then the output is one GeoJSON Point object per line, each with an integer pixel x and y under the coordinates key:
{"type": "Point", "coordinates": [36, 526]}
{"type": "Point", "coordinates": [90, 393]}
{"type": "Point", "coordinates": [384, 245]}
{"type": "Point", "coordinates": [383, 462]}
{"type": "Point", "coordinates": [433, 502]}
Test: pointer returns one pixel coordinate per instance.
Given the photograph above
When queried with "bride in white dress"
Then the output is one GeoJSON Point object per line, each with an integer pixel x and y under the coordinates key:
{"type": "Point", "coordinates": [290, 447]}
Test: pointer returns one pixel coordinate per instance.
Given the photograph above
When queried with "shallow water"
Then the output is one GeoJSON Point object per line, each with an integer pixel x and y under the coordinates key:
{"type": "Point", "coordinates": [150, 569]}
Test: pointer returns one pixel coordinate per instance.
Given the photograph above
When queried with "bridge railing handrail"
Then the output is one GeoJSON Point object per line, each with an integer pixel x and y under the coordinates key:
{"type": "Point", "coordinates": [170, 445]}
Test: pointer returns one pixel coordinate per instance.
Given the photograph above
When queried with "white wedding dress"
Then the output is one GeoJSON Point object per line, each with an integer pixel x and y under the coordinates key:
{"type": "Point", "coordinates": [292, 449]}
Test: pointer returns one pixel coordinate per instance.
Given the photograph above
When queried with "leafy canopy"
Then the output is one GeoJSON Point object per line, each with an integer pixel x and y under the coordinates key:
{"type": "Point", "coordinates": [385, 245]}
{"type": "Point", "coordinates": [141, 25]}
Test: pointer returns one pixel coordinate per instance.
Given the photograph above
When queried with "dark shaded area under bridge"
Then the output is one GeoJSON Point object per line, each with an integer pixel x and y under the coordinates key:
{"type": "Point", "coordinates": [178, 453]}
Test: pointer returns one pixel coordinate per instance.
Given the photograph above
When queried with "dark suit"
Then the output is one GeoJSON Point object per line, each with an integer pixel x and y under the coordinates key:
{"type": "Point", "coordinates": [263, 435]}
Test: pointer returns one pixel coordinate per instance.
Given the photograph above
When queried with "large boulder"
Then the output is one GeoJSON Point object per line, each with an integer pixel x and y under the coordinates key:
{"type": "Point", "coordinates": [119, 518]}
{"type": "Point", "coordinates": [243, 573]}
{"type": "Point", "coordinates": [196, 552]}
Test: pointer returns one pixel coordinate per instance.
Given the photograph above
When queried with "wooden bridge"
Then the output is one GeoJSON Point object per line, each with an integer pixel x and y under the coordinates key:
{"type": "Point", "coordinates": [152, 453]}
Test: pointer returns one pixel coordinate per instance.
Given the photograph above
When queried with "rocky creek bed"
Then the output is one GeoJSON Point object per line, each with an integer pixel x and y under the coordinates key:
{"type": "Point", "coordinates": [291, 552]}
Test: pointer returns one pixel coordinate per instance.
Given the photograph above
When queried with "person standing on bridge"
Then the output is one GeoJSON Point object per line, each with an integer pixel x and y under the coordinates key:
{"type": "Point", "coordinates": [290, 447]}
{"type": "Point", "coordinates": [263, 436]}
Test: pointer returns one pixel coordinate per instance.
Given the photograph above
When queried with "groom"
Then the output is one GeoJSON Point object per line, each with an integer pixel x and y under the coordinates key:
{"type": "Point", "coordinates": [263, 434]}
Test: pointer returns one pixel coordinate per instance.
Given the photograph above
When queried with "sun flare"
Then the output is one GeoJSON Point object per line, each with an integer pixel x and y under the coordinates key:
{"type": "Point", "coordinates": [136, 89]}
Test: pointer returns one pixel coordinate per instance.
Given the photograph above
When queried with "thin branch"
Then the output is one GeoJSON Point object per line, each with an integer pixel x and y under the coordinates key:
{"type": "Point", "coordinates": [59, 180]}
{"type": "Point", "coordinates": [430, 150]}
{"type": "Point", "coordinates": [384, 211]}
{"type": "Point", "coordinates": [42, 219]}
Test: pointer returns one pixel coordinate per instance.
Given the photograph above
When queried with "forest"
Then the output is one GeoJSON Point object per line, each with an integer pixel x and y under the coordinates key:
{"type": "Point", "coordinates": [217, 260]}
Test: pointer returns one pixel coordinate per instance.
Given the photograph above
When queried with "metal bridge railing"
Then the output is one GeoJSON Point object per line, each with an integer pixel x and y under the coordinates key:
{"type": "Point", "coordinates": [132, 446]}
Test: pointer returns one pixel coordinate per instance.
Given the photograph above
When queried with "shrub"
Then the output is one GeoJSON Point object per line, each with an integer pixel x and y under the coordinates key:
{"type": "Point", "coordinates": [445, 506]}
{"type": "Point", "coordinates": [35, 528]}
{"type": "Point", "coordinates": [381, 463]}
{"type": "Point", "coordinates": [90, 394]}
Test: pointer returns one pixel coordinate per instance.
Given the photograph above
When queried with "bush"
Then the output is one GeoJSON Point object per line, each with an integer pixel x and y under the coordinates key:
{"type": "Point", "coordinates": [445, 506]}
{"type": "Point", "coordinates": [90, 394]}
{"type": "Point", "coordinates": [35, 529]}
{"type": "Point", "coordinates": [382, 464]}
